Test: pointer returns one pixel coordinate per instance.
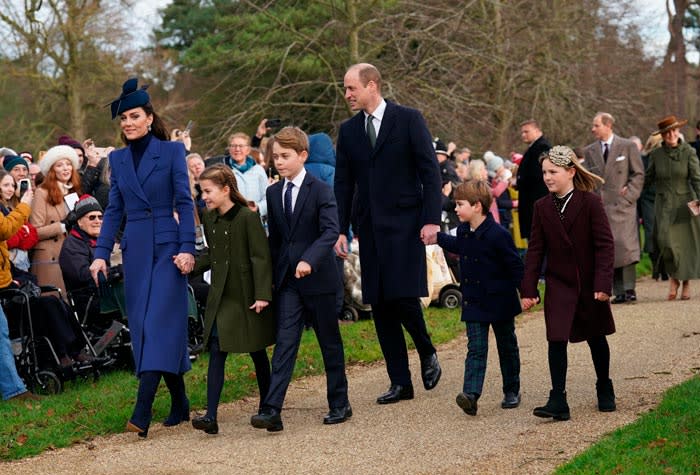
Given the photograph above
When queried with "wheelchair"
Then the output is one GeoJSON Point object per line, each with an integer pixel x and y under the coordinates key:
{"type": "Point", "coordinates": [103, 315]}
{"type": "Point", "coordinates": [36, 359]}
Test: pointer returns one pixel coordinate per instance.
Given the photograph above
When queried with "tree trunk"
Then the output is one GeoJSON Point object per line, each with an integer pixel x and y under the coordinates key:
{"type": "Point", "coordinates": [675, 63]}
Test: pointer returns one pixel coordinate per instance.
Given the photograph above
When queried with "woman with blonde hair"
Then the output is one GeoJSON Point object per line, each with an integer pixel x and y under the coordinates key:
{"type": "Point", "coordinates": [60, 168]}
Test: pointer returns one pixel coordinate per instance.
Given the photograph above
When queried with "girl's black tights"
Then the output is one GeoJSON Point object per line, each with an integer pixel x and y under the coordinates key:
{"type": "Point", "coordinates": [215, 375]}
{"type": "Point", "coordinates": [558, 361]}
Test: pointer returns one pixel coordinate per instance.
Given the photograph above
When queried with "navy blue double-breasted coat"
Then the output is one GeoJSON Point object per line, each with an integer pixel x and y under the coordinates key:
{"type": "Point", "coordinates": [156, 291]}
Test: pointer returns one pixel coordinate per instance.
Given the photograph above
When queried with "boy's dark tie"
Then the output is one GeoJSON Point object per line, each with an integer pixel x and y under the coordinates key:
{"type": "Point", "coordinates": [371, 133]}
{"type": "Point", "coordinates": [288, 202]}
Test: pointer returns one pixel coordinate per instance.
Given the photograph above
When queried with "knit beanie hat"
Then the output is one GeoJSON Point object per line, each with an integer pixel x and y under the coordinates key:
{"type": "Point", "coordinates": [493, 165]}
{"type": "Point", "coordinates": [84, 205]}
{"type": "Point", "coordinates": [11, 161]}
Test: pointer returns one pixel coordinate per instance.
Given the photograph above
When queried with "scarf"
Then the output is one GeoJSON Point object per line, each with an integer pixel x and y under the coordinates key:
{"type": "Point", "coordinates": [247, 165]}
{"type": "Point", "coordinates": [82, 235]}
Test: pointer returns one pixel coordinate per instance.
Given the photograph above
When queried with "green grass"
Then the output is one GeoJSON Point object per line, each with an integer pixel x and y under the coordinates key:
{"type": "Point", "coordinates": [87, 409]}
{"type": "Point", "coordinates": [664, 441]}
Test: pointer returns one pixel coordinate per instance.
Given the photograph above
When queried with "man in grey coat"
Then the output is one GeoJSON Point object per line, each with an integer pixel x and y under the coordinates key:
{"type": "Point", "coordinates": [617, 160]}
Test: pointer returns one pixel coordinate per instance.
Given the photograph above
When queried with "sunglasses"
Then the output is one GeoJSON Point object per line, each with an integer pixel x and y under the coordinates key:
{"type": "Point", "coordinates": [93, 217]}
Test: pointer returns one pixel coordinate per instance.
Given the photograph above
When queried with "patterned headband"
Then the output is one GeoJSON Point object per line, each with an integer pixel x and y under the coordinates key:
{"type": "Point", "coordinates": [561, 156]}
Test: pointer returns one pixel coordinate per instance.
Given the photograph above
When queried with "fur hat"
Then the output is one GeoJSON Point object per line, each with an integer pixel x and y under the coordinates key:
{"type": "Point", "coordinates": [86, 204]}
{"type": "Point", "coordinates": [57, 153]}
{"type": "Point", "coordinates": [11, 161]}
{"type": "Point", "coordinates": [70, 141]}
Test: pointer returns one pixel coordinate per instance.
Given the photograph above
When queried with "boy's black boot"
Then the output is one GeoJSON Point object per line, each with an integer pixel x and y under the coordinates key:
{"type": "Point", "coordinates": [556, 407]}
{"type": "Point", "coordinates": [606, 395]}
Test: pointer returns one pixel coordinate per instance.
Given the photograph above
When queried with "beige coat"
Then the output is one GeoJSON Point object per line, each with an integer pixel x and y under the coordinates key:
{"type": "Point", "coordinates": [47, 218]}
{"type": "Point", "coordinates": [624, 168]}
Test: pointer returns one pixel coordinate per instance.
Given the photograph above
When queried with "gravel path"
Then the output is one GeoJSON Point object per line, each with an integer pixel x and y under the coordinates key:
{"type": "Point", "coordinates": [657, 346]}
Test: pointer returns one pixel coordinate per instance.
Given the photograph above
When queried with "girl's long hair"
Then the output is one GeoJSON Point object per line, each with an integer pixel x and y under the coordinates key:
{"type": "Point", "coordinates": [221, 176]}
{"type": "Point", "coordinates": [563, 156]}
{"type": "Point", "coordinates": [53, 189]}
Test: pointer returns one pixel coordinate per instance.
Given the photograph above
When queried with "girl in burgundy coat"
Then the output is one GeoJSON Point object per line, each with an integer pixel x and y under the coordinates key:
{"type": "Point", "coordinates": [570, 229]}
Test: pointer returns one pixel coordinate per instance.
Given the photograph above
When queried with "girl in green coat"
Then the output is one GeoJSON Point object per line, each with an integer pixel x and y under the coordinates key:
{"type": "Point", "coordinates": [238, 317]}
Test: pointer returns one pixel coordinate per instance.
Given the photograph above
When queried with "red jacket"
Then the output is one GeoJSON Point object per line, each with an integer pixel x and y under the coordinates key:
{"type": "Point", "coordinates": [580, 253]}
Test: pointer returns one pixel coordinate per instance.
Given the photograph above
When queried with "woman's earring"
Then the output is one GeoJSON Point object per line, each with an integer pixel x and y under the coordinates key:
{"type": "Point", "coordinates": [149, 127]}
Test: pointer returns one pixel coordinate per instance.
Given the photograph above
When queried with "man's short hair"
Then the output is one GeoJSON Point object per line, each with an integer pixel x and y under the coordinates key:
{"type": "Point", "coordinates": [605, 118]}
{"type": "Point", "coordinates": [294, 138]}
{"type": "Point", "coordinates": [239, 135]}
{"type": "Point", "coordinates": [531, 122]}
{"type": "Point", "coordinates": [475, 191]}
{"type": "Point", "coordinates": [367, 73]}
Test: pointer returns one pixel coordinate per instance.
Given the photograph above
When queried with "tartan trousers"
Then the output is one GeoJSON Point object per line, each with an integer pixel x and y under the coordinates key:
{"type": "Point", "coordinates": [477, 355]}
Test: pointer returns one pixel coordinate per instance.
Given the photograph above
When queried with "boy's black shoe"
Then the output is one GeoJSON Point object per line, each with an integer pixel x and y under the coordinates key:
{"type": "Point", "coordinates": [467, 401]}
{"type": "Point", "coordinates": [206, 423]}
{"type": "Point", "coordinates": [556, 407]}
{"type": "Point", "coordinates": [430, 371]}
{"type": "Point", "coordinates": [510, 400]}
{"type": "Point", "coordinates": [631, 295]}
{"type": "Point", "coordinates": [269, 418]}
{"type": "Point", "coordinates": [606, 395]}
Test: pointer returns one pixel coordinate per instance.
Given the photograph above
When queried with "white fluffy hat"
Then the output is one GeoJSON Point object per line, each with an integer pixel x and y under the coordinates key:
{"type": "Point", "coordinates": [59, 152]}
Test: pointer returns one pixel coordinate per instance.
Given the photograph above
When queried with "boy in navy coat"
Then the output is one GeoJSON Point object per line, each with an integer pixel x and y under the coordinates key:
{"type": "Point", "coordinates": [491, 271]}
{"type": "Point", "coordinates": [303, 228]}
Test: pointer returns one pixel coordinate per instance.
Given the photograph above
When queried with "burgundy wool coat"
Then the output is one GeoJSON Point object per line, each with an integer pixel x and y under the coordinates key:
{"type": "Point", "coordinates": [580, 253]}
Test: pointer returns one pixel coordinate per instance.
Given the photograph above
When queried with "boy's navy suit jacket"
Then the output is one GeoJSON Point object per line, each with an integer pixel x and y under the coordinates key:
{"type": "Point", "coordinates": [490, 268]}
{"type": "Point", "coordinates": [309, 237]}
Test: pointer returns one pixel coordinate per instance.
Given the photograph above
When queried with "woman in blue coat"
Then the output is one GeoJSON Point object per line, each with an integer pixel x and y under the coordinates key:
{"type": "Point", "coordinates": [149, 188]}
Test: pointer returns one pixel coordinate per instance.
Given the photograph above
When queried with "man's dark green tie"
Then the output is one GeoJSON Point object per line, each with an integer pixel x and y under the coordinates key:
{"type": "Point", "coordinates": [371, 133]}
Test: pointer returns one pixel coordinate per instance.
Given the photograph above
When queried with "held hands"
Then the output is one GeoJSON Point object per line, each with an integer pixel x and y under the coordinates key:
{"type": "Point", "coordinates": [341, 246]}
{"type": "Point", "coordinates": [303, 269]}
{"type": "Point", "coordinates": [601, 296]}
{"type": "Point", "coordinates": [428, 234]}
{"type": "Point", "coordinates": [528, 303]}
{"type": "Point", "coordinates": [259, 305]}
{"type": "Point", "coordinates": [184, 261]}
{"type": "Point", "coordinates": [97, 266]}
{"type": "Point", "coordinates": [28, 197]}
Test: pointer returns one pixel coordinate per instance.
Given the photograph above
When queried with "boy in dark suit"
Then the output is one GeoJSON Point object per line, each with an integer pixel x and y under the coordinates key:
{"type": "Point", "coordinates": [303, 228]}
{"type": "Point", "coordinates": [491, 270]}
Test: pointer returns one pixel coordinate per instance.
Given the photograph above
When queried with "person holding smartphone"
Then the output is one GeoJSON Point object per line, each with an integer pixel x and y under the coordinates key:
{"type": "Point", "coordinates": [60, 167]}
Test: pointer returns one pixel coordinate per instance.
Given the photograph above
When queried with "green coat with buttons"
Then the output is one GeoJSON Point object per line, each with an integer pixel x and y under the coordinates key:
{"type": "Point", "coordinates": [238, 256]}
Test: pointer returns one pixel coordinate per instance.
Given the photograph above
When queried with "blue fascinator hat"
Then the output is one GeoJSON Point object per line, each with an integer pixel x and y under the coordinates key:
{"type": "Point", "coordinates": [132, 96]}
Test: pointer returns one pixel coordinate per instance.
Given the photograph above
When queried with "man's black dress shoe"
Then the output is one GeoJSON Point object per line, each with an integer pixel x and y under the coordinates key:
{"type": "Point", "coordinates": [269, 418]}
{"type": "Point", "coordinates": [396, 393]}
{"type": "Point", "coordinates": [619, 299]}
{"type": "Point", "coordinates": [206, 423]}
{"type": "Point", "coordinates": [510, 400]}
{"type": "Point", "coordinates": [631, 295]}
{"type": "Point", "coordinates": [338, 415]}
{"type": "Point", "coordinates": [430, 371]}
{"type": "Point", "coordinates": [467, 401]}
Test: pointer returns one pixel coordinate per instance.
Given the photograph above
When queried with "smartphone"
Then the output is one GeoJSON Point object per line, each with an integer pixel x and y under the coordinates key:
{"type": "Point", "coordinates": [190, 124]}
{"type": "Point", "coordinates": [273, 123]}
{"type": "Point", "coordinates": [24, 185]}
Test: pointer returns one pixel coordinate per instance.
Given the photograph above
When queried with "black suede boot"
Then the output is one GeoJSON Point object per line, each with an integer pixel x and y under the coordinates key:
{"type": "Point", "coordinates": [606, 395]}
{"type": "Point", "coordinates": [556, 407]}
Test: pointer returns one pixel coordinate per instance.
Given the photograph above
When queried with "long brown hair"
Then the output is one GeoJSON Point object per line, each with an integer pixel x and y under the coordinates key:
{"type": "Point", "coordinates": [158, 128]}
{"type": "Point", "coordinates": [12, 202]}
{"type": "Point", "coordinates": [54, 191]}
{"type": "Point", "coordinates": [221, 176]}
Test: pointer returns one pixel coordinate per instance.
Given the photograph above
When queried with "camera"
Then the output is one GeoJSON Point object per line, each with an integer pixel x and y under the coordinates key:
{"type": "Point", "coordinates": [273, 123]}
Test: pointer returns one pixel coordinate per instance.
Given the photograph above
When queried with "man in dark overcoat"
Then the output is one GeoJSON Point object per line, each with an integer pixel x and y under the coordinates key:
{"type": "Point", "coordinates": [386, 152]}
{"type": "Point", "coordinates": [530, 184]}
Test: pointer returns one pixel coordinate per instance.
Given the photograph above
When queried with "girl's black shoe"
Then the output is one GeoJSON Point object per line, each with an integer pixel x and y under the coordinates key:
{"type": "Point", "coordinates": [557, 408]}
